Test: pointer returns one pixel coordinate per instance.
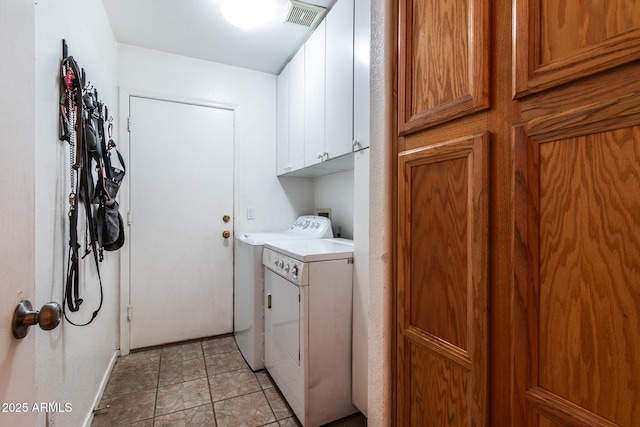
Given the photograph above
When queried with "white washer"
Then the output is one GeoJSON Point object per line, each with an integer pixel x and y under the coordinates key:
{"type": "Point", "coordinates": [248, 310]}
{"type": "Point", "coordinates": [308, 305]}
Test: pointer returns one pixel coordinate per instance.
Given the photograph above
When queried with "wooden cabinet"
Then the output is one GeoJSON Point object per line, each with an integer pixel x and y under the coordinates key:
{"type": "Point", "coordinates": [517, 235]}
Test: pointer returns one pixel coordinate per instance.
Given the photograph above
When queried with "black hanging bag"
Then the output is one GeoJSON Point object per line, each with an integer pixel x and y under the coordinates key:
{"type": "Point", "coordinates": [96, 174]}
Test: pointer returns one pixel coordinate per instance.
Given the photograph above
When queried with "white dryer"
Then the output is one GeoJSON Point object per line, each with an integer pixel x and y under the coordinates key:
{"type": "Point", "coordinates": [308, 301]}
{"type": "Point", "coordinates": [248, 282]}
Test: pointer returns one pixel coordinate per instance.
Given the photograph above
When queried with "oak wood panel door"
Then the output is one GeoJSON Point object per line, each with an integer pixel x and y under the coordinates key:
{"type": "Point", "coordinates": [556, 42]}
{"type": "Point", "coordinates": [577, 275]}
{"type": "Point", "coordinates": [444, 68]}
{"type": "Point", "coordinates": [576, 210]}
{"type": "Point", "coordinates": [442, 280]}
{"type": "Point", "coordinates": [563, 239]}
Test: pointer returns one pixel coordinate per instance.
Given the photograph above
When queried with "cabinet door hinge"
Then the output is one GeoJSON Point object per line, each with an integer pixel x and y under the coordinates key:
{"type": "Point", "coordinates": [129, 313]}
{"type": "Point", "coordinates": [129, 218]}
{"type": "Point", "coordinates": [128, 124]}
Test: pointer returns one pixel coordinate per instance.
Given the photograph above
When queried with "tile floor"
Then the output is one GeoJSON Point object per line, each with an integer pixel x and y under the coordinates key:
{"type": "Point", "coordinates": [203, 383]}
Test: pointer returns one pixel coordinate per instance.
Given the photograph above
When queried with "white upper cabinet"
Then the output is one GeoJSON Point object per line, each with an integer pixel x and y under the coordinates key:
{"type": "Point", "coordinates": [361, 73]}
{"type": "Point", "coordinates": [325, 103]}
{"type": "Point", "coordinates": [282, 121]}
{"type": "Point", "coordinates": [296, 111]}
{"type": "Point", "coordinates": [314, 94]}
{"type": "Point", "coordinates": [339, 80]}
{"type": "Point", "coordinates": [290, 116]}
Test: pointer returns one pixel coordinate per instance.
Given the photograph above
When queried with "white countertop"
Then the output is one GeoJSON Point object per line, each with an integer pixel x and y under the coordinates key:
{"type": "Point", "coordinates": [313, 250]}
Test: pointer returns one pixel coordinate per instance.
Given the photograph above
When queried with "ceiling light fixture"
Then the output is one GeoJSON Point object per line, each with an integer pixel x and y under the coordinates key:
{"type": "Point", "coordinates": [248, 14]}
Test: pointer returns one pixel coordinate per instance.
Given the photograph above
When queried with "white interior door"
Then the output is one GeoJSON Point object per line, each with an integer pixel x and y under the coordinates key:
{"type": "Point", "coordinates": [181, 187]}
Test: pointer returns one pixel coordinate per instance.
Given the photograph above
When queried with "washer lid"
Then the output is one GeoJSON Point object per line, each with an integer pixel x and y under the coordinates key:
{"type": "Point", "coordinates": [258, 238]}
{"type": "Point", "coordinates": [313, 250]}
{"type": "Point", "coordinates": [305, 227]}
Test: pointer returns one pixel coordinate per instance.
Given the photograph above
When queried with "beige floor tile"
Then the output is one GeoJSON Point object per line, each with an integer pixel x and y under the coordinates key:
{"type": "Point", "coordinates": [249, 410]}
{"type": "Point", "coordinates": [201, 416]}
{"type": "Point", "coordinates": [143, 423]}
{"type": "Point", "coordinates": [219, 345]}
{"type": "Point", "coordinates": [289, 422]}
{"type": "Point", "coordinates": [278, 405]}
{"type": "Point", "coordinates": [173, 372]}
{"type": "Point", "coordinates": [224, 362]}
{"type": "Point", "coordinates": [182, 352]}
{"type": "Point", "coordinates": [264, 380]}
{"type": "Point", "coordinates": [125, 381]}
{"type": "Point", "coordinates": [142, 361]}
{"type": "Point", "coordinates": [126, 409]}
{"type": "Point", "coordinates": [178, 384]}
{"type": "Point", "coordinates": [233, 384]}
{"type": "Point", "coordinates": [177, 397]}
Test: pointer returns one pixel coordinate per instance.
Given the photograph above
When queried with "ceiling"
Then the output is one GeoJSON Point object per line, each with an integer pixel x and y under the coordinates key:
{"type": "Point", "coordinates": [196, 28]}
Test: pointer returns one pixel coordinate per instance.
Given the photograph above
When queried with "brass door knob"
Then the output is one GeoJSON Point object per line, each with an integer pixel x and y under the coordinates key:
{"type": "Point", "coordinates": [226, 218]}
{"type": "Point", "coordinates": [226, 234]}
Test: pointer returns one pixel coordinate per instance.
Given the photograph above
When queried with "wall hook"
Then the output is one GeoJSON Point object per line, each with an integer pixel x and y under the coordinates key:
{"type": "Point", "coordinates": [25, 316]}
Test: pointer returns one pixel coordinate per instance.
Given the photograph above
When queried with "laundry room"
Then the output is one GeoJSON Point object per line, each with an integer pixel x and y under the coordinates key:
{"type": "Point", "coordinates": [200, 141]}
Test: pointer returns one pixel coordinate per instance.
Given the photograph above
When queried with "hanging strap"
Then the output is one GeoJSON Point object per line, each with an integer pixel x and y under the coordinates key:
{"type": "Point", "coordinates": [81, 167]}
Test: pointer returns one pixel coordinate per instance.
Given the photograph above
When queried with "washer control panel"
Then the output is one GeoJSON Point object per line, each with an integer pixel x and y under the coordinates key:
{"type": "Point", "coordinates": [285, 266]}
{"type": "Point", "coordinates": [316, 227]}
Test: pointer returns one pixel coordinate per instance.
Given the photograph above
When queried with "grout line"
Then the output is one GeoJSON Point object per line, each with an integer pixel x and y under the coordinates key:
{"type": "Point", "coordinates": [155, 403]}
{"type": "Point", "coordinates": [206, 372]}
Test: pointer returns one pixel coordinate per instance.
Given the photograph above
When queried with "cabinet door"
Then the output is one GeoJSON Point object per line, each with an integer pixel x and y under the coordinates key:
{"type": "Point", "coordinates": [314, 96]}
{"type": "Point", "coordinates": [443, 61]}
{"type": "Point", "coordinates": [282, 121]}
{"type": "Point", "coordinates": [361, 73]}
{"type": "Point", "coordinates": [339, 79]}
{"type": "Point", "coordinates": [296, 111]}
{"type": "Point", "coordinates": [443, 284]}
{"type": "Point", "coordinates": [576, 249]}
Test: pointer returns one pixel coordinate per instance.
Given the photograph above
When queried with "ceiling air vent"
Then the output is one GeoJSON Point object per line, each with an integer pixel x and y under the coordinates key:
{"type": "Point", "coordinates": [307, 15]}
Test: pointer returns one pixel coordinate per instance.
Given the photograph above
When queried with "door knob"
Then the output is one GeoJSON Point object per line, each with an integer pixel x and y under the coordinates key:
{"type": "Point", "coordinates": [226, 218]}
{"type": "Point", "coordinates": [25, 316]}
{"type": "Point", "coordinates": [226, 234]}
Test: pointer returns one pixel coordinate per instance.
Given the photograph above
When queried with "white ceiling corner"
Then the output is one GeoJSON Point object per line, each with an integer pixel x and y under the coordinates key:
{"type": "Point", "coordinates": [196, 28]}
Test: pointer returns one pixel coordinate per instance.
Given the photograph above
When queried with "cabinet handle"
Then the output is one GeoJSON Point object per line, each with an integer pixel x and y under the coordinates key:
{"type": "Point", "coordinates": [356, 143]}
{"type": "Point", "coordinates": [269, 301]}
{"type": "Point", "coordinates": [320, 156]}
{"type": "Point", "coordinates": [325, 156]}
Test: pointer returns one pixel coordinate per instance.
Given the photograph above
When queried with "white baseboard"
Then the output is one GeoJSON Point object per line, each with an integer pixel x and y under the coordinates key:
{"type": "Point", "coordinates": [103, 386]}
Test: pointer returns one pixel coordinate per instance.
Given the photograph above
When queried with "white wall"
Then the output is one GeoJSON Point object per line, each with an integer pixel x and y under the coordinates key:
{"type": "Point", "coordinates": [276, 202]}
{"type": "Point", "coordinates": [380, 223]}
{"type": "Point", "coordinates": [360, 337]}
{"type": "Point", "coordinates": [17, 218]}
{"type": "Point", "coordinates": [335, 191]}
{"type": "Point", "coordinates": [71, 361]}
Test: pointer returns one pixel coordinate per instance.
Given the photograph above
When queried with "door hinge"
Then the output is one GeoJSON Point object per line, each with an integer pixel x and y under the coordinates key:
{"type": "Point", "coordinates": [129, 218]}
{"type": "Point", "coordinates": [129, 313]}
{"type": "Point", "coordinates": [128, 124]}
